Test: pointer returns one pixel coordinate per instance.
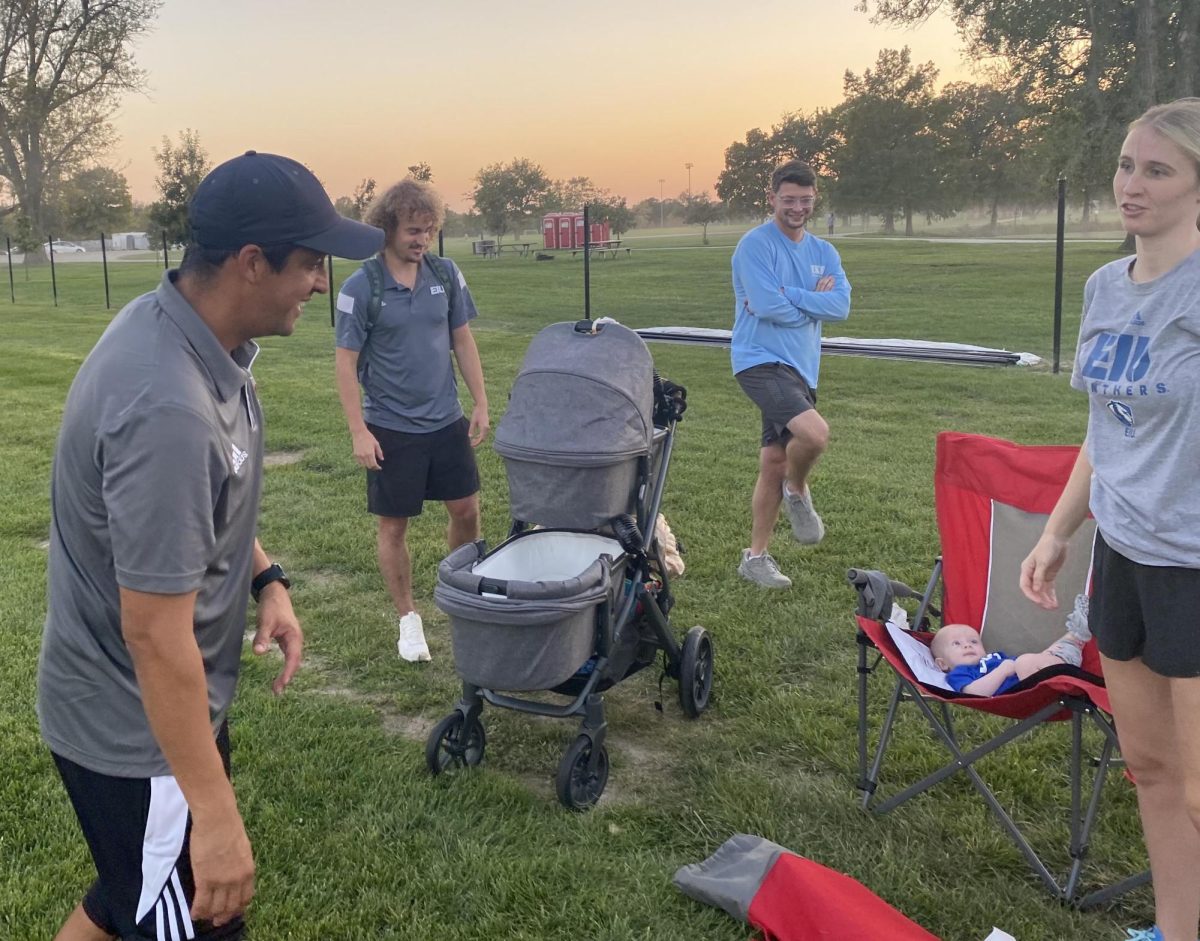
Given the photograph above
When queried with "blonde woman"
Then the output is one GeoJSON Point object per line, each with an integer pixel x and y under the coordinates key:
{"type": "Point", "coordinates": [1138, 473]}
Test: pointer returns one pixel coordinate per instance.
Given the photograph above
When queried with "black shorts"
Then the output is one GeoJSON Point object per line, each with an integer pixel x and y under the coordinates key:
{"type": "Point", "coordinates": [780, 394]}
{"type": "Point", "coordinates": [137, 830]}
{"type": "Point", "coordinates": [1146, 611]}
{"type": "Point", "coordinates": [439, 465]}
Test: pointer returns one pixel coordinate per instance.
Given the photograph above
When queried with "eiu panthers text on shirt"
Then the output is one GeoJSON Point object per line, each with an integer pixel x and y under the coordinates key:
{"type": "Point", "coordinates": [1138, 359]}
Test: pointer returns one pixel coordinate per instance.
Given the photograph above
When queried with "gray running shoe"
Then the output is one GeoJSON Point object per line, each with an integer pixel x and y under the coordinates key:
{"type": "Point", "coordinates": [762, 570]}
{"type": "Point", "coordinates": [807, 528]}
{"type": "Point", "coordinates": [1077, 620]}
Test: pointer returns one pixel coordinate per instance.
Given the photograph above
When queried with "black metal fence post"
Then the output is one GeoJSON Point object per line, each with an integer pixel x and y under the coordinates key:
{"type": "Point", "coordinates": [441, 243]}
{"type": "Point", "coordinates": [166, 260]}
{"type": "Point", "coordinates": [53, 275]}
{"type": "Point", "coordinates": [329, 268]}
{"type": "Point", "coordinates": [12, 288]}
{"type": "Point", "coordinates": [104, 263]}
{"type": "Point", "coordinates": [1058, 270]}
{"type": "Point", "coordinates": [587, 270]}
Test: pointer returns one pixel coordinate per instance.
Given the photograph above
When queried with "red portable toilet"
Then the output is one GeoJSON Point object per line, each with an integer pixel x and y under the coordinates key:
{"type": "Point", "coordinates": [578, 220]}
{"type": "Point", "coordinates": [566, 223]}
{"type": "Point", "coordinates": [600, 231]}
{"type": "Point", "coordinates": [550, 230]}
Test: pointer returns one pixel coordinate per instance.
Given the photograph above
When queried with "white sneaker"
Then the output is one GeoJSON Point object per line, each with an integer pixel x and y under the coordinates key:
{"type": "Point", "coordinates": [412, 644]}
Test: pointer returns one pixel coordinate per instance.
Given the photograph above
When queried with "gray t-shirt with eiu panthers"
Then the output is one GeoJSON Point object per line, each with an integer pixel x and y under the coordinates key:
{"type": "Point", "coordinates": [155, 488]}
{"type": "Point", "coordinates": [1139, 361]}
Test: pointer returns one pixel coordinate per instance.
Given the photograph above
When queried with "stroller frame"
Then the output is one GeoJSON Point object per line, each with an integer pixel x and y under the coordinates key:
{"type": "Point", "coordinates": [459, 741]}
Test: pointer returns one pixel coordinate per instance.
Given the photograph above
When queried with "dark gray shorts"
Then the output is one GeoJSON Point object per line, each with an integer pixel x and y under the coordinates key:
{"type": "Point", "coordinates": [780, 394]}
{"type": "Point", "coordinates": [439, 465]}
{"type": "Point", "coordinates": [1147, 611]}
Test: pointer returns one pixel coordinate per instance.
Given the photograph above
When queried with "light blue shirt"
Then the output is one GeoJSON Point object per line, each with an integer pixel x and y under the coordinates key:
{"type": "Point", "coordinates": [778, 313]}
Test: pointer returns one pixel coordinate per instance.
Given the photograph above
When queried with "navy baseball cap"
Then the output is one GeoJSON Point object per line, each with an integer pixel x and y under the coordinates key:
{"type": "Point", "coordinates": [266, 200]}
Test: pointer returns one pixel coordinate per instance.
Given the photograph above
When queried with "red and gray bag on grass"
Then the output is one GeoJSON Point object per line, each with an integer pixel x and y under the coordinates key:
{"type": "Point", "coordinates": [790, 898]}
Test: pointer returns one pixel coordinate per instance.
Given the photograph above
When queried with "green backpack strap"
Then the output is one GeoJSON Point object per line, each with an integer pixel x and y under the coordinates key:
{"type": "Point", "coordinates": [441, 271]}
{"type": "Point", "coordinates": [373, 268]}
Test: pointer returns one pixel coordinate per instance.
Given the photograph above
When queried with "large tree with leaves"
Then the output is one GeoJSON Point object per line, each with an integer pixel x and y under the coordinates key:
{"type": "Point", "coordinates": [63, 66]}
{"type": "Point", "coordinates": [507, 195]}
{"type": "Point", "coordinates": [94, 201]}
{"type": "Point", "coordinates": [1090, 67]}
{"type": "Point", "coordinates": [893, 160]}
{"type": "Point", "coordinates": [181, 167]}
{"type": "Point", "coordinates": [743, 184]}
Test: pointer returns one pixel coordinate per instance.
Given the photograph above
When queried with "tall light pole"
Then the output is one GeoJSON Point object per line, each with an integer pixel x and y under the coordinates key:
{"type": "Point", "coordinates": [689, 170]}
{"type": "Point", "coordinates": [661, 181]}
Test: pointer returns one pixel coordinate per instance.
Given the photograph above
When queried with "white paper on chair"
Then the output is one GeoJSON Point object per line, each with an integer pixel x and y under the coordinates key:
{"type": "Point", "coordinates": [918, 658]}
{"type": "Point", "coordinates": [998, 935]}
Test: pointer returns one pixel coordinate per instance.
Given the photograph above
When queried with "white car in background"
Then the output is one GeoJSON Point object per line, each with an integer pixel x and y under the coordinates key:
{"type": "Point", "coordinates": [63, 248]}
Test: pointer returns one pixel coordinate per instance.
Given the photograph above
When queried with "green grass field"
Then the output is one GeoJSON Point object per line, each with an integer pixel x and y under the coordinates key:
{"type": "Point", "coordinates": [354, 840]}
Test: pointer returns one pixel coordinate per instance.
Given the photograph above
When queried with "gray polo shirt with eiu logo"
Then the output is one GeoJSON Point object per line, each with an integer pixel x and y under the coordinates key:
{"type": "Point", "coordinates": [155, 488]}
{"type": "Point", "coordinates": [404, 363]}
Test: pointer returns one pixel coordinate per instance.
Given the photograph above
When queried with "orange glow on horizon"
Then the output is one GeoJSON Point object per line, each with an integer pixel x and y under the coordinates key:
{"type": "Point", "coordinates": [622, 94]}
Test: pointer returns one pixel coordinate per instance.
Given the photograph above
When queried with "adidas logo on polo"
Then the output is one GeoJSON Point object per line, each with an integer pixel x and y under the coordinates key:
{"type": "Point", "coordinates": [238, 457]}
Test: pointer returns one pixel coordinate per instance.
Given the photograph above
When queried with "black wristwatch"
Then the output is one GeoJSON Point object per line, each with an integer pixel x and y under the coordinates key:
{"type": "Point", "coordinates": [272, 573]}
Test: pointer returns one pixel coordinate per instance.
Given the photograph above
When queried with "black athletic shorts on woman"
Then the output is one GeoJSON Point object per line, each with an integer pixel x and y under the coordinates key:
{"type": "Point", "coordinates": [780, 394]}
{"type": "Point", "coordinates": [1147, 611]}
{"type": "Point", "coordinates": [138, 831]}
{"type": "Point", "coordinates": [438, 465]}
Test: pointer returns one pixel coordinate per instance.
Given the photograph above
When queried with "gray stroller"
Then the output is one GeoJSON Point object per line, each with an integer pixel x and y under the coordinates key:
{"type": "Point", "coordinates": [576, 599]}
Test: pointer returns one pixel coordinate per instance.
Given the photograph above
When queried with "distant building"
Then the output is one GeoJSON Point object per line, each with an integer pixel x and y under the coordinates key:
{"type": "Point", "coordinates": [131, 241]}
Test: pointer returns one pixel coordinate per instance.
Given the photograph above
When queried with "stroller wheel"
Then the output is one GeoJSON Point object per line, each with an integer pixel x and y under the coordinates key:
{"type": "Point", "coordinates": [576, 786]}
{"type": "Point", "coordinates": [695, 671]}
{"type": "Point", "coordinates": [449, 746]}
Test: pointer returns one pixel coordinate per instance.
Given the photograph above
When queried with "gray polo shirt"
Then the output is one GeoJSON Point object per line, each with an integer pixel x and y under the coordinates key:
{"type": "Point", "coordinates": [155, 488]}
{"type": "Point", "coordinates": [404, 364]}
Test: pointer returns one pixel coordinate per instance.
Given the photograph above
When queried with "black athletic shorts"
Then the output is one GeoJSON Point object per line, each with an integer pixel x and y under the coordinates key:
{"type": "Point", "coordinates": [438, 465]}
{"type": "Point", "coordinates": [1147, 611]}
{"type": "Point", "coordinates": [780, 394]}
{"type": "Point", "coordinates": [137, 830]}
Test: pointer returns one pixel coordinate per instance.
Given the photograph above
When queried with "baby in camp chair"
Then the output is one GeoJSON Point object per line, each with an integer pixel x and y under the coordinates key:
{"type": "Point", "coordinates": [958, 652]}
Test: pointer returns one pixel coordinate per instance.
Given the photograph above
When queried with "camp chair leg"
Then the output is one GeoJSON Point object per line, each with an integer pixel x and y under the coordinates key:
{"type": "Point", "coordinates": [948, 722]}
{"type": "Point", "coordinates": [871, 781]}
{"type": "Point", "coordinates": [1117, 889]}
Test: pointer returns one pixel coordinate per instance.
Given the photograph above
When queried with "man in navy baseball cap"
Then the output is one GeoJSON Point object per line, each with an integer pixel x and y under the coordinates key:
{"type": "Point", "coordinates": [155, 500]}
{"type": "Point", "coordinates": [267, 200]}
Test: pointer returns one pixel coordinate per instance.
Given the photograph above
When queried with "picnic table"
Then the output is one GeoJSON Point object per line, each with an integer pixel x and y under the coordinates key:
{"type": "Point", "coordinates": [608, 246]}
{"type": "Point", "coordinates": [523, 247]}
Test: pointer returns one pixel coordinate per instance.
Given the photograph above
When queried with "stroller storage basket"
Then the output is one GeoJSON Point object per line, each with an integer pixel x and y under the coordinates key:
{"type": "Point", "coordinates": [523, 617]}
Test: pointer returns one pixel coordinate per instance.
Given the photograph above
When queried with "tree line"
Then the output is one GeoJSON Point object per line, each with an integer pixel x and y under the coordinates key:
{"type": "Point", "coordinates": [1063, 79]}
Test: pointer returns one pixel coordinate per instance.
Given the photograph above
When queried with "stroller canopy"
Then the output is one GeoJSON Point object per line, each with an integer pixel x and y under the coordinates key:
{"type": "Point", "coordinates": [581, 399]}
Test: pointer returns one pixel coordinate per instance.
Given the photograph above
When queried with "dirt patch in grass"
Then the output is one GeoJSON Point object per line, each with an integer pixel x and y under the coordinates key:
{"type": "Point", "coordinates": [280, 458]}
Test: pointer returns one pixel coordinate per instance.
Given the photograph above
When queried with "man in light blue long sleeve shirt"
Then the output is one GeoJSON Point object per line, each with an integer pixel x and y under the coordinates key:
{"type": "Point", "coordinates": [787, 282]}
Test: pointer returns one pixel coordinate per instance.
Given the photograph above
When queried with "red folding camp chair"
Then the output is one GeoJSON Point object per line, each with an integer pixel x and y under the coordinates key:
{"type": "Point", "coordinates": [992, 500]}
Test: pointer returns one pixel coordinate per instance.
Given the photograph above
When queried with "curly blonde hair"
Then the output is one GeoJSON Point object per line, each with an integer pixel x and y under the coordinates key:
{"type": "Point", "coordinates": [408, 199]}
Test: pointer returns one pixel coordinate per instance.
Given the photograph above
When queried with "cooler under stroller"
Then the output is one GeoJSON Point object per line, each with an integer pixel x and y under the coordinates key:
{"type": "Point", "coordinates": [577, 598]}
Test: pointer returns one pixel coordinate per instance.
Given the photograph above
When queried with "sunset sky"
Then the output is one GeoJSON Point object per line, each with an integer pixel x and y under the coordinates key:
{"type": "Point", "coordinates": [622, 91]}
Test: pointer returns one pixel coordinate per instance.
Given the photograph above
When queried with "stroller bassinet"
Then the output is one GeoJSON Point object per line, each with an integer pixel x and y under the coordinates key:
{"type": "Point", "coordinates": [575, 608]}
